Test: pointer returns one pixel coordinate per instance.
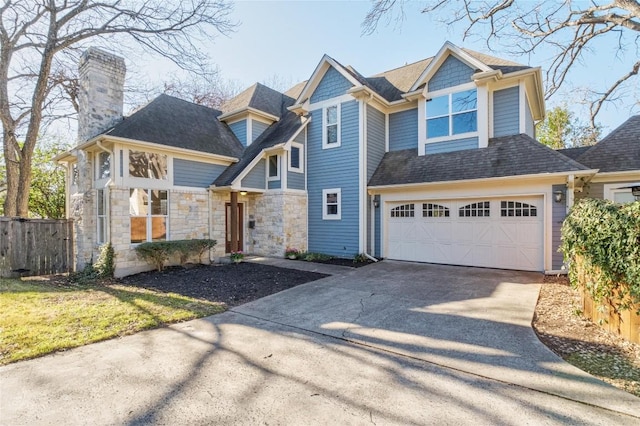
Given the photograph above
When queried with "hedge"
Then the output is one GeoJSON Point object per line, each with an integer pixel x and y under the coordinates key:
{"type": "Point", "coordinates": [158, 252]}
{"type": "Point", "coordinates": [601, 240]}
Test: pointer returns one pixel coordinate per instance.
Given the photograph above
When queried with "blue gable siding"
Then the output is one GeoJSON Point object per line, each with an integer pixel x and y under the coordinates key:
{"type": "Point", "coordinates": [257, 127]}
{"type": "Point", "coordinates": [332, 84]}
{"type": "Point", "coordinates": [195, 173]}
{"type": "Point", "coordinates": [506, 120]}
{"type": "Point", "coordinates": [257, 177]}
{"type": "Point", "coordinates": [375, 139]}
{"type": "Point", "coordinates": [448, 146]}
{"type": "Point", "coordinates": [403, 130]}
{"type": "Point", "coordinates": [334, 168]}
{"type": "Point", "coordinates": [452, 72]}
{"type": "Point", "coordinates": [239, 128]}
{"type": "Point", "coordinates": [274, 184]}
{"type": "Point", "coordinates": [295, 180]}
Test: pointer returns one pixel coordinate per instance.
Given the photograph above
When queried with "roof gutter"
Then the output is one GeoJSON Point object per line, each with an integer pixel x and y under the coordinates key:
{"type": "Point", "coordinates": [587, 173]}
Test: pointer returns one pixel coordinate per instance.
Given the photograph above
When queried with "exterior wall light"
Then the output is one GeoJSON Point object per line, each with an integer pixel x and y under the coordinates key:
{"type": "Point", "coordinates": [376, 202]}
{"type": "Point", "coordinates": [558, 196]}
{"type": "Point", "coordinates": [243, 192]}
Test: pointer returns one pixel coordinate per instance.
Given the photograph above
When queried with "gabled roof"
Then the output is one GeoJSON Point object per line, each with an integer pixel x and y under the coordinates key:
{"type": "Point", "coordinates": [393, 83]}
{"type": "Point", "coordinates": [277, 133]}
{"type": "Point", "coordinates": [176, 123]}
{"type": "Point", "coordinates": [325, 63]}
{"type": "Point", "coordinates": [259, 97]}
{"type": "Point", "coordinates": [575, 152]}
{"type": "Point", "coordinates": [618, 151]}
{"type": "Point", "coordinates": [516, 155]}
{"type": "Point", "coordinates": [495, 63]}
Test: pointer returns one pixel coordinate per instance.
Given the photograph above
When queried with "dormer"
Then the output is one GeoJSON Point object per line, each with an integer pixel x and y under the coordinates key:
{"type": "Point", "coordinates": [465, 98]}
{"type": "Point", "coordinates": [250, 113]}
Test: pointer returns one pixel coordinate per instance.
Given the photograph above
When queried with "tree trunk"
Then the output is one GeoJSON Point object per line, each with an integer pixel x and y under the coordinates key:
{"type": "Point", "coordinates": [13, 173]}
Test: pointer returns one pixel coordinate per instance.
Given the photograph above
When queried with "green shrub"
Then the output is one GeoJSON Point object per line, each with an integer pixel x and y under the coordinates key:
{"type": "Point", "coordinates": [158, 252]}
{"type": "Point", "coordinates": [601, 241]}
{"type": "Point", "coordinates": [360, 258]}
{"type": "Point", "coordinates": [314, 257]}
{"type": "Point", "coordinates": [105, 265]}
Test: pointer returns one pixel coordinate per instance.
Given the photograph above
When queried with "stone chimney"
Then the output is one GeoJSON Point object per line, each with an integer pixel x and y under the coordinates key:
{"type": "Point", "coordinates": [100, 97]}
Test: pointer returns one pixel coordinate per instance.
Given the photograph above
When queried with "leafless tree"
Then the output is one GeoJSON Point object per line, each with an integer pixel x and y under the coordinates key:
{"type": "Point", "coordinates": [40, 41]}
{"type": "Point", "coordinates": [569, 29]}
{"type": "Point", "coordinates": [208, 89]}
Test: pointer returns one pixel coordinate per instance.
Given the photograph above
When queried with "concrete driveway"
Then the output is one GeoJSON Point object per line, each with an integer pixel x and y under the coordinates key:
{"type": "Point", "coordinates": [391, 343]}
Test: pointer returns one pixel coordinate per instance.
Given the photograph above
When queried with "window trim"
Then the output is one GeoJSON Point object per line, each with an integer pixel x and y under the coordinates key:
{"type": "Point", "coordinates": [104, 216]}
{"type": "Point", "coordinates": [450, 115]}
{"type": "Point", "coordinates": [277, 176]}
{"type": "Point", "coordinates": [299, 169]}
{"type": "Point", "coordinates": [338, 123]}
{"type": "Point", "coordinates": [149, 216]}
{"type": "Point", "coordinates": [96, 168]}
{"type": "Point", "coordinates": [325, 215]}
{"type": "Point", "coordinates": [609, 190]}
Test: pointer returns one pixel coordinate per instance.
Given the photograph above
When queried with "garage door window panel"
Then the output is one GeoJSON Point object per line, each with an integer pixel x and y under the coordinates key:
{"type": "Point", "coordinates": [434, 210]}
{"type": "Point", "coordinates": [517, 209]}
{"type": "Point", "coordinates": [480, 209]}
{"type": "Point", "coordinates": [405, 210]}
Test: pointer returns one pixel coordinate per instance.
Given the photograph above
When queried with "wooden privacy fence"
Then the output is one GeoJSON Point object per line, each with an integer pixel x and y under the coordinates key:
{"type": "Point", "coordinates": [31, 247]}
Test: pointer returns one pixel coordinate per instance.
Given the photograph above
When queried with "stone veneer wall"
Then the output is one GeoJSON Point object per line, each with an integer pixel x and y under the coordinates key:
{"type": "Point", "coordinates": [82, 209]}
{"type": "Point", "coordinates": [281, 222]}
{"type": "Point", "coordinates": [188, 219]}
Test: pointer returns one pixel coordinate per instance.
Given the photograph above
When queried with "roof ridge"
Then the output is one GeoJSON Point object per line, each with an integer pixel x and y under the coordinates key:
{"type": "Point", "coordinates": [401, 66]}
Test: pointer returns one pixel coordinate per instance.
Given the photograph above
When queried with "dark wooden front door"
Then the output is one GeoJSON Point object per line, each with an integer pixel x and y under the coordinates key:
{"type": "Point", "coordinates": [227, 242]}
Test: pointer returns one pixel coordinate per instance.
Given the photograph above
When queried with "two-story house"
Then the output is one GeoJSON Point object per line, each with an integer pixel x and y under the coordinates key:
{"type": "Point", "coordinates": [434, 161]}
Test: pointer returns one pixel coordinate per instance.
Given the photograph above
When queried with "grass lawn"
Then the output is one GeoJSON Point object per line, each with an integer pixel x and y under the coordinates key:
{"type": "Point", "coordinates": [38, 317]}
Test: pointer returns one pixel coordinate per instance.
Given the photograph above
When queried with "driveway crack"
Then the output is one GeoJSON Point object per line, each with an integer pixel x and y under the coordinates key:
{"type": "Point", "coordinates": [362, 308]}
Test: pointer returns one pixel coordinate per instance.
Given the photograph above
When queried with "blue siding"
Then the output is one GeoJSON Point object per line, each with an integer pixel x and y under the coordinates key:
{"type": "Point", "coordinates": [403, 130]}
{"type": "Point", "coordinates": [195, 173]}
{"type": "Point", "coordinates": [448, 146]}
{"type": "Point", "coordinates": [506, 119]}
{"type": "Point", "coordinates": [239, 128]}
{"type": "Point", "coordinates": [529, 125]}
{"type": "Point", "coordinates": [295, 180]}
{"type": "Point", "coordinates": [256, 178]}
{"type": "Point", "coordinates": [452, 72]}
{"type": "Point", "coordinates": [558, 213]}
{"type": "Point", "coordinates": [332, 84]}
{"type": "Point", "coordinates": [274, 184]}
{"type": "Point", "coordinates": [375, 139]}
{"type": "Point", "coordinates": [257, 127]}
{"type": "Point", "coordinates": [334, 168]}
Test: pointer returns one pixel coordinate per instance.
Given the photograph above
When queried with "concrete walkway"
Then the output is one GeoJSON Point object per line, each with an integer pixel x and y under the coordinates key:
{"type": "Point", "coordinates": [391, 343]}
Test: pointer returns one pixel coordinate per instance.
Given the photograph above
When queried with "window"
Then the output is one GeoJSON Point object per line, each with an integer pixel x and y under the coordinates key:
{"type": "Point", "coordinates": [452, 114]}
{"type": "Point", "coordinates": [406, 210]}
{"type": "Point", "coordinates": [148, 210]}
{"type": "Point", "coordinates": [104, 166]}
{"type": "Point", "coordinates": [273, 164]}
{"type": "Point", "coordinates": [331, 127]}
{"type": "Point", "coordinates": [296, 158]}
{"type": "Point", "coordinates": [331, 204]}
{"type": "Point", "coordinates": [517, 209]}
{"type": "Point", "coordinates": [147, 165]}
{"type": "Point", "coordinates": [481, 209]}
{"type": "Point", "coordinates": [75, 174]}
{"type": "Point", "coordinates": [434, 210]}
{"type": "Point", "coordinates": [101, 201]}
{"type": "Point", "coordinates": [623, 196]}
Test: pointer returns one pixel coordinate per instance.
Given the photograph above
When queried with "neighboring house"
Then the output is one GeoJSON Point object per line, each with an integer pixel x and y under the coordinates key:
{"type": "Point", "coordinates": [434, 161]}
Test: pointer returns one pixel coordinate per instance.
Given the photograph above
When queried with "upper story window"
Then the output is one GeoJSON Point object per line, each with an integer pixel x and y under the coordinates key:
{"type": "Point", "coordinates": [103, 170]}
{"type": "Point", "coordinates": [452, 114]}
{"type": "Point", "coordinates": [273, 165]}
{"type": "Point", "coordinates": [331, 126]}
{"type": "Point", "coordinates": [147, 165]}
{"type": "Point", "coordinates": [295, 157]}
{"type": "Point", "coordinates": [75, 174]}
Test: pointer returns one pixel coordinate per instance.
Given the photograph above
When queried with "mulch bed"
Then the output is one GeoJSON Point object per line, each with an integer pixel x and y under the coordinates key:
{"type": "Point", "coordinates": [342, 262]}
{"type": "Point", "coordinates": [232, 284]}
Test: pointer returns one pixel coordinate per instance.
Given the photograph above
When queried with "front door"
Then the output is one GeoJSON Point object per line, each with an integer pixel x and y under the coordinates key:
{"type": "Point", "coordinates": [228, 227]}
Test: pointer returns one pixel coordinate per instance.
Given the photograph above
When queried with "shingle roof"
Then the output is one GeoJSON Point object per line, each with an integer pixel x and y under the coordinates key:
{"type": "Point", "coordinates": [257, 96]}
{"type": "Point", "coordinates": [574, 153]}
{"type": "Point", "coordinates": [393, 83]}
{"type": "Point", "coordinates": [279, 132]}
{"type": "Point", "coordinates": [618, 151]}
{"type": "Point", "coordinates": [173, 122]}
{"type": "Point", "coordinates": [503, 65]}
{"type": "Point", "coordinates": [505, 156]}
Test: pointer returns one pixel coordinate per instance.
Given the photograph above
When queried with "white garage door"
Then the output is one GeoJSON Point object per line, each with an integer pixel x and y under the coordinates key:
{"type": "Point", "coordinates": [502, 233]}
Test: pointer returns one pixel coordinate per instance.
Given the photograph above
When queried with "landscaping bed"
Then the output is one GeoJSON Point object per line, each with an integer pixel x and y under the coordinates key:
{"type": "Point", "coordinates": [232, 285]}
{"type": "Point", "coordinates": [560, 326]}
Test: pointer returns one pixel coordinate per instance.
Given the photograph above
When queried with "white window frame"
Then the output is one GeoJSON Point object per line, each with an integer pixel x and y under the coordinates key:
{"type": "Point", "coordinates": [100, 181]}
{"type": "Point", "coordinates": [277, 176]}
{"type": "Point", "coordinates": [325, 215]}
{"type": "Point", "coordinates": [326, 145]}
{"type": "Point", "coordinates": [300, 147]}
{"type": "Point", "coordinates": [149, 216]}
{"type": "Point", "coordinates": [105, 222]}
{"type": "Point", "coordinates": [612, 188]}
